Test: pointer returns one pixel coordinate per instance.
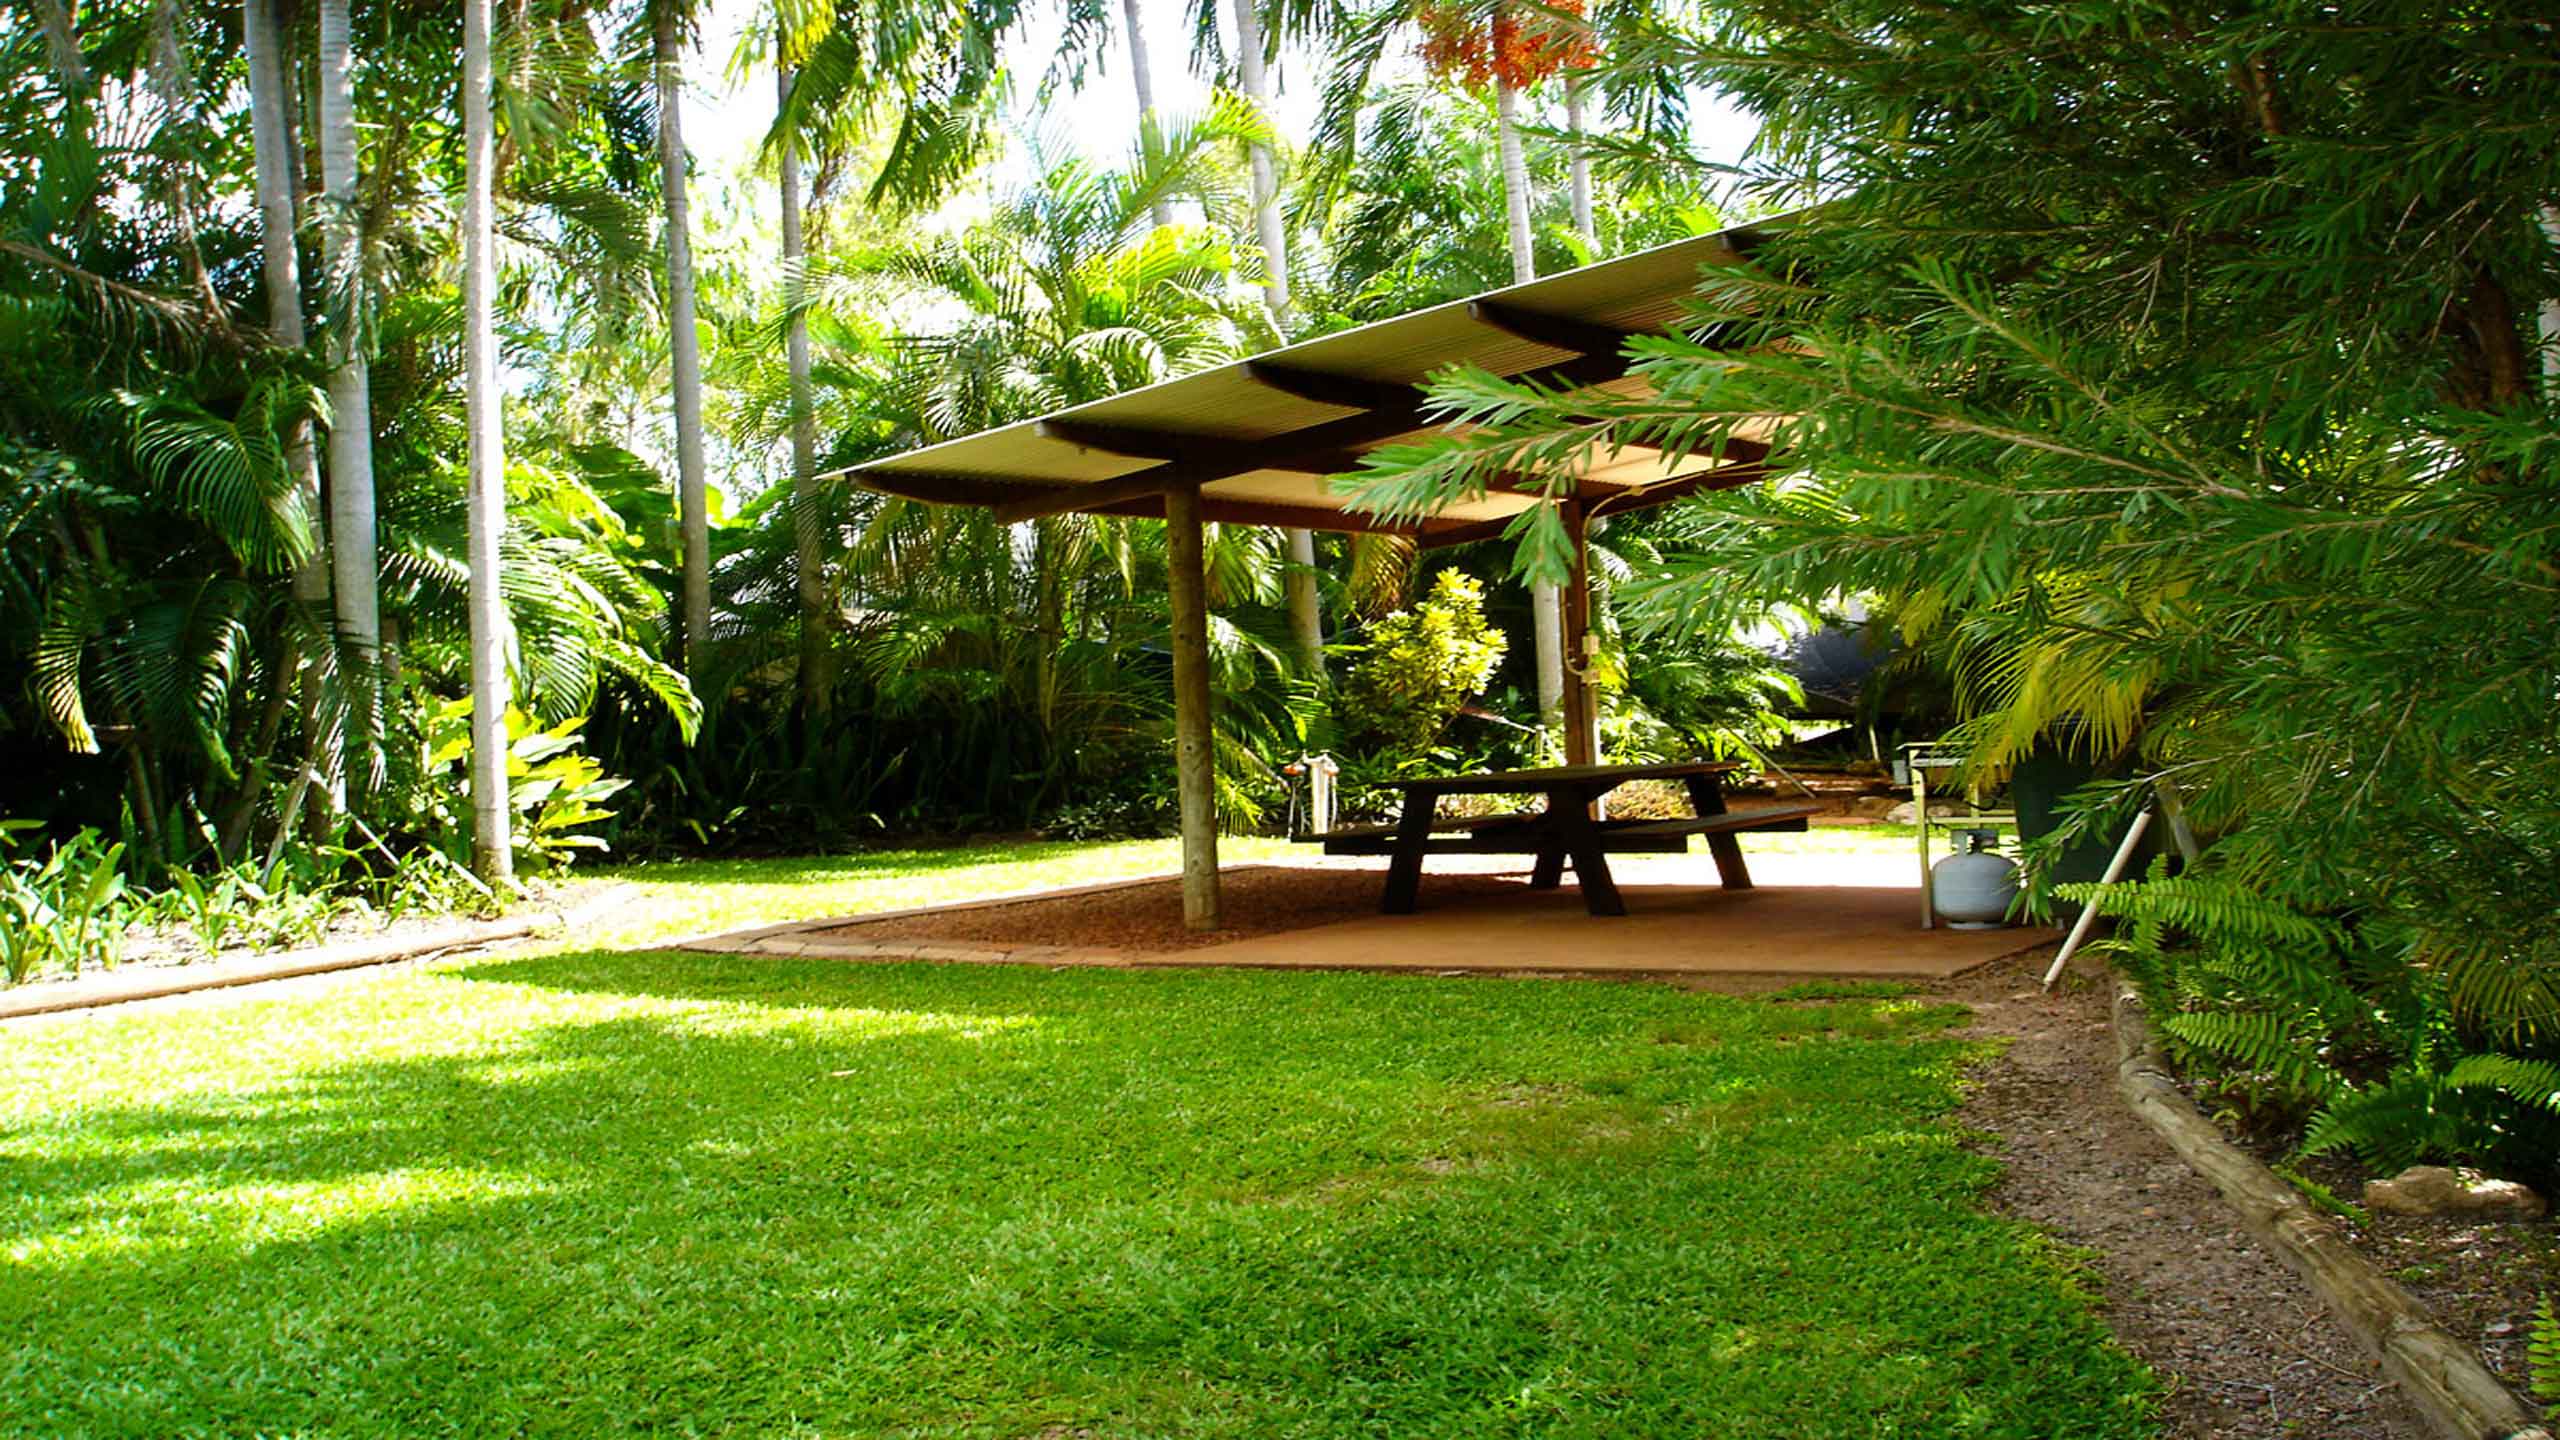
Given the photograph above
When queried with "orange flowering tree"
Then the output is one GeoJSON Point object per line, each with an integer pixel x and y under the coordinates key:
{"type": "Point", "coordinates": [1512, 52]}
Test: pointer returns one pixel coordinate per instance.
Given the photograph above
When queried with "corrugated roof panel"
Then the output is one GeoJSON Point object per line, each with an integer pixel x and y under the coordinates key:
{"type": "Point", "coordinates": [1638, 292]}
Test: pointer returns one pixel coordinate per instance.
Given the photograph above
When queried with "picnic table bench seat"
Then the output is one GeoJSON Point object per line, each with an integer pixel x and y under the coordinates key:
{"type": "Point", "coordinates": [1525, 832]}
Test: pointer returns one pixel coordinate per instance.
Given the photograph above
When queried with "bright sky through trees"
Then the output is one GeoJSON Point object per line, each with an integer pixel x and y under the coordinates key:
{"type": "Point", "coordinates": [734, 110]}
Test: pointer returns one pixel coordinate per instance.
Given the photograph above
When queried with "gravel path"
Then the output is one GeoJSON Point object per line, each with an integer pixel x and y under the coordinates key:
{"type": "Point", "coordinates": [2249, 1349]}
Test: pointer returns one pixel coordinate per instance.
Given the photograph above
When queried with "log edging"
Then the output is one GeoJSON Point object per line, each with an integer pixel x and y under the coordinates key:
{"type": "Point", "coordinates": [2444, 1378]}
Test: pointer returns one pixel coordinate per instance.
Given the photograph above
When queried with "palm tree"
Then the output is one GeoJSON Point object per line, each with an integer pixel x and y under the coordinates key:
{"type": "Point", "coordinates": [63, 45]}
{"type": "Point", "coordinates": [1063, 294]}
{"type": "Point", "coordinates": [817, 679]}
{"type": "Point", "coordinates": [270, 95]}
{"type": "Point", "coordinates": [1306, 617]}
{"type": "Point", "coordinates": [1578, 162]}
{"type": "Point", "coordinates": [1508, 59]}
{"type": "Point", "coordinates": [1459, 47]}
{"type": "Point", "coordinates": [684, 341]}
{"type": "Point", "coordinates": [492, 847]}
{"type": "Point", "coordinates": [352, 522]}
{"type": "Point", "coordinates": [1162, 211]}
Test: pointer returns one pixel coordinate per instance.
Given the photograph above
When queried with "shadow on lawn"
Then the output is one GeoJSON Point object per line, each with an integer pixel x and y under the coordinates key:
{"type": "Point", "coordinates": [434, 1242]}
{"type": "Point", "coordinates": [694, 1193]}
{"type": "Point", "coordinates": [788, 983]}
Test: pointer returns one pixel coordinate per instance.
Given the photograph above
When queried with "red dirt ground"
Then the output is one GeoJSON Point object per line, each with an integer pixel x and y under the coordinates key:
{"type": "Point", "coordinates": [1146, 919]}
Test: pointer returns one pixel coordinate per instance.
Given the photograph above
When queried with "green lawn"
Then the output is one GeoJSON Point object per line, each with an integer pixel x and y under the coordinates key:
{"type": "Point", "coordinates": [588, 1192]}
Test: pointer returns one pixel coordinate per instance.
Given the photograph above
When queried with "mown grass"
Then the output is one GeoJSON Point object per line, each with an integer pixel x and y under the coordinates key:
{"type": "Point", "coordinates": [591, 1193]}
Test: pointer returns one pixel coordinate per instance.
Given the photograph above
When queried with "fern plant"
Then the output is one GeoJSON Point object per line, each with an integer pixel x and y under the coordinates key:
{"type": "Point", "coordinates": [2542, 1352]}
{"type": "Point", "coordinates": [2330, 1016]}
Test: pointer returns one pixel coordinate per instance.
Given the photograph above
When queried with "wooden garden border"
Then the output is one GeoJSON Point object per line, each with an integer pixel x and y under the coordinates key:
{"type": "Point", "coordinates": [2443, 1377]}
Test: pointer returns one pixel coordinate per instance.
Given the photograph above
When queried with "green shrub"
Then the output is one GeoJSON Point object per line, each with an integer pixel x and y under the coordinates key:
{"type": "Point", "coordinates": [555, 789]}
{"type": "Point", "coordinates": [1695, 695]}
{"type": "Point", "coordinates": [1418, 667]}
{"type": "Point", "coordinates": [1138, 804]}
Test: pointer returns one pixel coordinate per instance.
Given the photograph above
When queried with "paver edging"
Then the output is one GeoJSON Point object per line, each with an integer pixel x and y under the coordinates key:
{"type": "Point", "coordinates": [2446, 1379]}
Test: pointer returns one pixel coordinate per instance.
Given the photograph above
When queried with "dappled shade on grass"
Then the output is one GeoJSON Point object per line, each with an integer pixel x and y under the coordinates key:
{"type": "Point", "coordinates": [595, 1193]}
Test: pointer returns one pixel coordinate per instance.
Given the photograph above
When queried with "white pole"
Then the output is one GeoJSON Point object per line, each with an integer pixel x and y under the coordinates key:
{"type": "Point", "coordinates": [2089, 911]}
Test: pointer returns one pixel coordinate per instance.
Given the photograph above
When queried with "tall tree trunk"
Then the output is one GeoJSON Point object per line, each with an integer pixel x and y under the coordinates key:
{"type": "Point", "coordinates": [1515, 184]}
{"type": "Point", "coordinates": [351, 504]}
{"type": "Point", "coordinates": [1298, 585]}
{"type": "Point", "coordinates": [1267, 219]}
{"type": "Point", "coordinates": [684, 345]}
{"type": "Point", "coordinates": [173, 83]}
{"type": "Point", "coordinates": [817, 623]}
{"type": "Point", "coordinates": [269, 103]}
{"type": "Point", "coordinates": [1579, 166]}
{"type": "Point", "coordinates": [492, 844]}
{"type": "Point", "coordinates": [2548, 320]}
{"type": "Point", "coordinates": [1546, 605]}
{"type": "Point", "coordinates": [1162, 210]}
{"type": "Point", "coordinates": [168, 65]}
{"type": "Point", "coordinates": [63, 44]}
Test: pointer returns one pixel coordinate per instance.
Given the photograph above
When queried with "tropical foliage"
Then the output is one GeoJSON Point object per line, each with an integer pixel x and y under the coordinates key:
{"type": "Point", "coordinates": [2174, 381]}
{"type": "Point", "coordinates": [221, 350]}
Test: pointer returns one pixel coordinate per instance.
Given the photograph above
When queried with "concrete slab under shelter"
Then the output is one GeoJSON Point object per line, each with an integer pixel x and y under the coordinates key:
{"type": "Point", "coordinates": [1850, 916]}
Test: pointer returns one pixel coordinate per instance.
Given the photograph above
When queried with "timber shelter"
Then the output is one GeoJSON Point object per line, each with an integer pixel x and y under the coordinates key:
{"type": "Point", "coordinates": [1259, 442]}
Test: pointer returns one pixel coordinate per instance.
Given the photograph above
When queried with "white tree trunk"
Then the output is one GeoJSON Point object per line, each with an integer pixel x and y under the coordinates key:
{"type": "Point", "coordinates": [1515, 184]}
{"type": "Point", "coordinates": [270, 95]}
{"type": "Point", "coordinates": [351, 504]}
{"type": "Point", "coordinates": [1162, 210]}
{"type": "Point", "coordinates": [1579, 167]}
{"type": "Point", "coordinates": [817, 682]}
{"type": "Point", "coordinates": [1267, 219]}
{"type": "Point", "coordinates": [1298, 587]}
{"type": "Point", "coordinates": [1546, 603]}
{"type": "Point", "coordinates": [1306, 614]}
{"type": "Point", "coordinates": [684, 344]}
{"type": "Point", "coordinates": [492, 844]}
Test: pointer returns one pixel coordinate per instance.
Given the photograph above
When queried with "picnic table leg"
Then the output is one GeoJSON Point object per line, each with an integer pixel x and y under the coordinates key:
{"type": "Point", "coordinates": [1729, 866]}
{"type": "Point", "coordinates": [1404, 872]}
{"type": "Point", "coordinates": [1706, 797]}
{"type": "Point", "coordinates": [1570, 812]}
{"type": "Point", "coordinates": [1550, 868]}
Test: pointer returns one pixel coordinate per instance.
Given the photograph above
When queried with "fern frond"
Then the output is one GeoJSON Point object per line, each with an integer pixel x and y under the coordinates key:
{"type": "Point", "coordinates": [2259, 1041]}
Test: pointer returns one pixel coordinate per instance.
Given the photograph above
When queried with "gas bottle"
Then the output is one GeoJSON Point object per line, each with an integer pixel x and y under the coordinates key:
{"type": "Point", "coordinates": [1973, 887]}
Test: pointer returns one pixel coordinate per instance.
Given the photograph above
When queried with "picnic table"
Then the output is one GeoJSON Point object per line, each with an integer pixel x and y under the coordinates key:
{"type": "Point", "coordinates": [1564, 830]}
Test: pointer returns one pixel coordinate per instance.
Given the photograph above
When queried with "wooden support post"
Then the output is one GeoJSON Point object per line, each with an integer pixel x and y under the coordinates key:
{"type": "Point", "coordinates": [1581, 707]}
{"type": "Point", "coordinates": [1194, 757]}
